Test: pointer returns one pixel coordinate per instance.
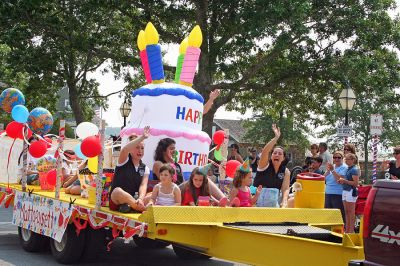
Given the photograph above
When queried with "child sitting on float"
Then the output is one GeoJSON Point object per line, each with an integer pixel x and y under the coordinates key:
{"type": "Point", "coordinates": [240, 195]}
{"type": "Point", "coordinates": [70, 170]}
{"type": "Point", "coordinates": [198, 187]}
{"type": "Point", "coordinates": [130, 177]}
{"type": "Point", "coordinates": [166, 193]}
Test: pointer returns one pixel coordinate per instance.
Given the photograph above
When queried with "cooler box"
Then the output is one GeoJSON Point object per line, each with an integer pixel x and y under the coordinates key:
{"type": "Point", "coordinates": [312, 194]}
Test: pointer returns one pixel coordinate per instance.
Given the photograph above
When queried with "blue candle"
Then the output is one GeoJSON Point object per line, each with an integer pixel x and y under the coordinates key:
{"type": "Point", "coordinates": [155, 62]}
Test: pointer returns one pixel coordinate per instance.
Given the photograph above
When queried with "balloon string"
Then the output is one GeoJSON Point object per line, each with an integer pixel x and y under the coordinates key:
{"type": "Point", "coordinates": [8, 163]}
{"type": "Point", "coordinates": [214, 163]}
{"type": "Point", "coordinates": [212, 149]}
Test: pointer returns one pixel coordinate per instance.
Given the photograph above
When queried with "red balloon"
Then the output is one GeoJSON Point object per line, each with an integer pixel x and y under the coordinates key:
{"type": "Point", "coordinates": [51, 177]}
{"type": "Point", "coordinates": [219, 137]}
{"type": "Point", "coordinates": [231, 167]}
{"type": "Point", "coordinates": [14, 129]}
{"type": "Point", "coordinates": [38, 148]}
{"type": "Point", "coordinates": [49, 142]}
{"type": "Point", "coordinates": [91, 146]}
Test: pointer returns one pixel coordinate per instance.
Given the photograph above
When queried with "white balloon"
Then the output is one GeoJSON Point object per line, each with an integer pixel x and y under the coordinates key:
{"type": "Point", "coordinates": [86, 129]}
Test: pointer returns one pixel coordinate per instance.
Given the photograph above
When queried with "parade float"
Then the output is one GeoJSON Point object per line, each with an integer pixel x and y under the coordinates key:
{"type": "Point", "coordinates": [77, 227]}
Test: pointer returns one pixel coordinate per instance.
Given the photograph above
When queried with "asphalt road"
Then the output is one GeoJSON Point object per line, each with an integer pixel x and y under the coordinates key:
{"type": "Point", "coordinates": [11, 252]}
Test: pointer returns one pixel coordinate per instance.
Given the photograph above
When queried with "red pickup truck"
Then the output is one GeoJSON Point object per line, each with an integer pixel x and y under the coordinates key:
{"type": "Point", "coordinates": [381, 227]}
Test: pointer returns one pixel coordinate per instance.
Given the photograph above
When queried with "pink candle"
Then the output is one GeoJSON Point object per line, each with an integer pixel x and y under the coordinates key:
{"type": "Point", "coordinates": [145, 65]}
{"type": "Point", "coordinates": [190, 64]}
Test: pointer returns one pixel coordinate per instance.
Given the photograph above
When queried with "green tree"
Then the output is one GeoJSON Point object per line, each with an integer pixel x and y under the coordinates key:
{"type": "Point", "coordinates": [59, 42]}
{"type": "Point", "coordinates": [9, 75]}
{"type": "Point", "coordinates": [258, 130]}
{"type": "Point", "coordinates": [373, 77]}
{"type": "Point", "coordinates": [283, 55]}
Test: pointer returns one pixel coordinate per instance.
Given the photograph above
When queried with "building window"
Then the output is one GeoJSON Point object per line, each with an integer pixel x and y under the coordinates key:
{"type": "Point", "coordinates": [66, 104]}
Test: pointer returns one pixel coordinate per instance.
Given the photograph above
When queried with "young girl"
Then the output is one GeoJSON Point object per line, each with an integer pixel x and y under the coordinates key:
{"type": "Point", "coordinates": [240, 195]}
{"type": "Point", "coordinates": [349, 196]}
{"type": "Point", "coordinates": [197, 186]}
{"type": "Point", "coordinates": [166, 193]}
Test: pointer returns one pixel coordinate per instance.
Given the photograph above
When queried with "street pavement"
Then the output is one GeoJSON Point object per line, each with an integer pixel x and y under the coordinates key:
{"type": "Point", "coordinates": [11, 252]}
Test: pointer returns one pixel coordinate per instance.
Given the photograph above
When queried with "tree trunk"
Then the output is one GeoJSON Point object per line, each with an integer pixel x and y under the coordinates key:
{"type": "Point", "coordinates": [208, 121]}
{"type": "Point", "coordinates": [74, 102]}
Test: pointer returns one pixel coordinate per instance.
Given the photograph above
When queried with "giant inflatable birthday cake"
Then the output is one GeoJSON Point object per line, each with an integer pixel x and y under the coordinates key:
{"type": "Point", "coordinates": [172, 110]}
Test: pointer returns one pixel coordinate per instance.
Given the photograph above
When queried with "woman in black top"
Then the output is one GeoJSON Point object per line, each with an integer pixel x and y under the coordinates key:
{"type": "Point", "coordinates": [130, 177]}
{"type": "Point", "coordinates": [394, 165]}
{"type": "Point", "coordinates": [272, 171]}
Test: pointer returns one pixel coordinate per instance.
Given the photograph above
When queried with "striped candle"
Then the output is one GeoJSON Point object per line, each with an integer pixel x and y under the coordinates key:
{"type": "Point", "coordinates": [155, 62]}
{"type": "Point", "coordinates": [182, 51]}
{"type": "Point", "coordinates": [192, 56]}
{"type": "Point", "coordinates": [178, 70]}
{"type": "Point", "coordinates": [153, 50]}
{"type": "Point", "coordinates": [145, 65]}
{"type": "Point", "coordinates": [190, 64]}
{"type": "Point", "coordinates": [141, 42]}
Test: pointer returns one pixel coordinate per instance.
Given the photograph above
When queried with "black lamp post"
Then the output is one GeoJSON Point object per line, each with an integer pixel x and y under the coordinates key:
{"type": "Point", "coordinates": [347, 99]}
{"type": "Point", "coordinates": [125, 110]}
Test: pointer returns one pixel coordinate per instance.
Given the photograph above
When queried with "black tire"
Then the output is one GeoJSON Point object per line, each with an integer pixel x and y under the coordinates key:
{"type": "Point", "coordinates": [188, 254]}
{"type": "Point", "coordinates": [293, 174]}
{"type": "Point", "coordinates": [31, 241]}
{"type": "Point", "coordinates": [147, 243]}
{"type": "Point", "coordinates": [95, 244]}
{"type": "Point", "coordinates": [70, 249]}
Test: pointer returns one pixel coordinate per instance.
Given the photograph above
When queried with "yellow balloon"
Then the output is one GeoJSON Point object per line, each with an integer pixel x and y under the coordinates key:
{"type": "Point", "coordinates": [195, 37]}
{"type": "Point", "coordinates": [183, 46]}
{"type": "Point", "coordinates": [141, 41]}
{"type": "Point", "coordinates": [93, 164]}
{"type": "Point", "coordinates": [151, 34]}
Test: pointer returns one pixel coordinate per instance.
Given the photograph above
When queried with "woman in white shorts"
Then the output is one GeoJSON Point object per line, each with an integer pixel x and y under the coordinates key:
{"type": "Point", "coordinates": [350, 193]}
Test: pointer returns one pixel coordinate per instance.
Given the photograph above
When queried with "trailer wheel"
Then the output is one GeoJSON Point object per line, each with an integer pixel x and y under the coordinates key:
{"type": "Point", "coordinates": [147, 243]}
{"type": "Point", "coordinates": [31, 241]}
{"type": "Point", "coordinates": [70, 248]}
{"type": "Point", "coordinates": [188, 254]}
{"type": "Point", "coordinates": [95, 244]}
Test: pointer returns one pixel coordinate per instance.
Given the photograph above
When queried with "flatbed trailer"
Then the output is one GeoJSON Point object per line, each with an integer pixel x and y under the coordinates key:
{"type": "Point", "coordinates": [256, 236]}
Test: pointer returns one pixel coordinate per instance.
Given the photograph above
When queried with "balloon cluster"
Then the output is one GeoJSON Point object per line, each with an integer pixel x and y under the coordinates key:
{"type": "Point", "coordinates": [90, 147]}
{"type": "Point", "coordinates": [39, 121]}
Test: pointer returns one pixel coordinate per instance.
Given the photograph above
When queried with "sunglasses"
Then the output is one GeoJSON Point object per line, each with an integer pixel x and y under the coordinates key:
{"type": "Point", "coordinates": [346, 149]}
{"type": "Point", "coordinates": [395, 153]}
{"type": "Point", "coordinates": [337, 157]}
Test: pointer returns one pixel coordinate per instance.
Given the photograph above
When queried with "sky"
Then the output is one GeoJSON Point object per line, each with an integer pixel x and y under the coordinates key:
{"type": "Point", "coordinates": [108, 85]}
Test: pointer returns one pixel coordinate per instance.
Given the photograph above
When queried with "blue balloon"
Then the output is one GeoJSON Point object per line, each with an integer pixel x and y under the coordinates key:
{"type": "Point", "coordinates": [78, 152]}
{"type": "Point", "coordinates": [20, 113]}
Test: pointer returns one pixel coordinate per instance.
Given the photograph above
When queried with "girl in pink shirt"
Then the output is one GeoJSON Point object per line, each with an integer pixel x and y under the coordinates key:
{"type": "Point", "coordinates": [240, 195]}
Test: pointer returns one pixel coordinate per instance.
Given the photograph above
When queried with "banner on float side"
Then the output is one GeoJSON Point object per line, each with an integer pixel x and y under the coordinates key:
{"type": "Point", "coordinates": [41, 215]}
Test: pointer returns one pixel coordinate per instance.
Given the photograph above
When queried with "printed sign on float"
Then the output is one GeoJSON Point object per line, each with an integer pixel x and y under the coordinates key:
{"type": "Point", "coordinates": [376, 125]}
{"type": "Point", "coordinates": [343, 131]}
{"type": "Point", "coordinates": [41, 215]}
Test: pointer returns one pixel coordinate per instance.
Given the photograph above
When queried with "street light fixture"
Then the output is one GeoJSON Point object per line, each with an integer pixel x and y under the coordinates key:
{"type": "Point", "coordinates": [125, 110]}
{"type": "Point", "coordinates": [347, 100]}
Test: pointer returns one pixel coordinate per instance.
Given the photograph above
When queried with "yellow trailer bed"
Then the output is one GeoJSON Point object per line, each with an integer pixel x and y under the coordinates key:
{"type": "Point", "coordinates": [257, 236]}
